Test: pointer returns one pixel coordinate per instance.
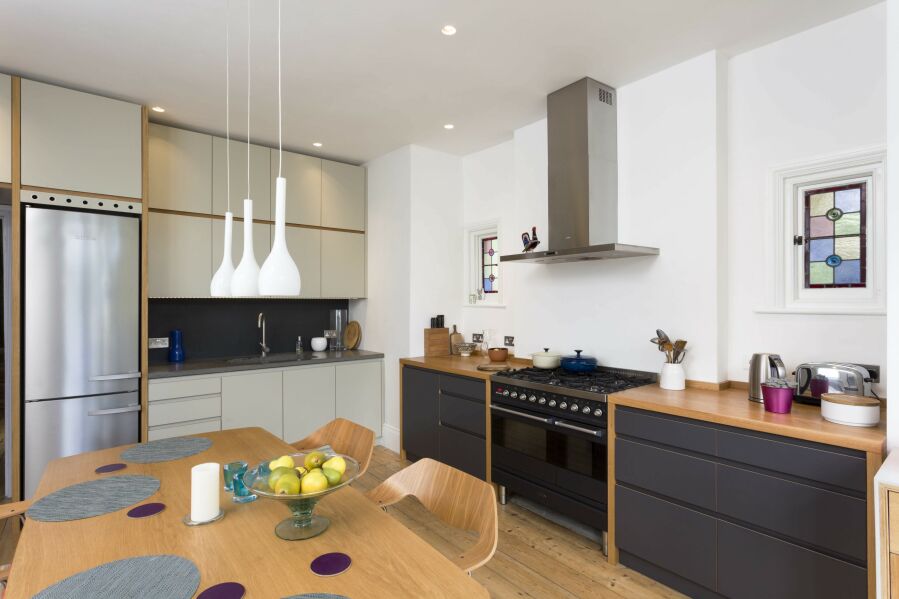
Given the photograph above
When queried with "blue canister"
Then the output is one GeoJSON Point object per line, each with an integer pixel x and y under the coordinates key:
{"type": "Point", "coordinates": [176, 347]}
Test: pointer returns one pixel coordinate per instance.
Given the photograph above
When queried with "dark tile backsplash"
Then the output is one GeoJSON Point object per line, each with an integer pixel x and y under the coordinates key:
{"type": "Point", "coordinates": [215, 328]}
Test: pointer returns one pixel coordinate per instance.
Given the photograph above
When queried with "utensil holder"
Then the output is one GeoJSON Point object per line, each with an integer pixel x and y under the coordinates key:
{"type": "Point", "coordinates": [673, 377]}
{"type": "Point", "coordinates": [777, 400]}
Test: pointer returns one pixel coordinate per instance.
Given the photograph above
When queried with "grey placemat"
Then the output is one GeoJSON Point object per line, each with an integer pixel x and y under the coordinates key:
{"type": "Point", "coordinates": [165, 450]}
{"type": "Point", "coordinates": [93, 498]}
{"type": "Point", "coordinates": [166, 576]}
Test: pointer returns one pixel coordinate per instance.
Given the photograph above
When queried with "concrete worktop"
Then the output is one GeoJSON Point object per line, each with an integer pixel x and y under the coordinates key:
{"type": "Point", "coordinates": [235, 364]}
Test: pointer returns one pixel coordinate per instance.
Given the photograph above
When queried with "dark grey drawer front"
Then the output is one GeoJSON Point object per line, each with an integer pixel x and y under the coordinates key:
{"type": "Point", "coordinates": [676, 433]}
{"type": "Point", "coordinates": [667, 535]}
{"type": "Point", "coordinates": [822, 518]}
{"type": "Point", "coordinates": [459, 385]}
{"type": "Point", "coordinates": [463, 451]}
{"type": "Point", "coordinates": [464, 414]}
{"type": "Point", "coordinates": [752, 565]}
{"type": "Point", "coordinates": [817, 464]}
{"type": "Point", "coordinates": [666, 472]}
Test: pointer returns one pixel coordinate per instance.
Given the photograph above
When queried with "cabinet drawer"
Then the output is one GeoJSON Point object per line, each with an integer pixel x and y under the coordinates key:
{"type": "Point", "coordinates": [822, 463]}
{"type": "Point", "coordinates": [185, 428]}
{"type": "Point", "coordinates": [169, 411]}
{"type": "Point", "coordinates": [666, 472]}
{"type": "Point", "coordinates": [821, 518]}
{"type": "Point", "coordinates": [463, 451]}
{"type": "Point", "coordinates": [185, 388]}
{"type": "Point", "coordinates": [753, 565]}
{"type": "Point", "coordinates": [666, 430]}
{"type": "Point", "coordinates": [463, 414]}
{"type": "Point", "coordinates": [668, 535]}
{"type": "Point", "coordinates": [465, 387]}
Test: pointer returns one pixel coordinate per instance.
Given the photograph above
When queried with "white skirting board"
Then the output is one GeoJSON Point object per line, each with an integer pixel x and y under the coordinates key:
{"type": "Point", "coordinates": [390, 437]}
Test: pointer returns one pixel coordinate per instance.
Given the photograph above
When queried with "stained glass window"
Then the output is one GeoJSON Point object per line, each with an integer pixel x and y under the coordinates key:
{"type": "Point", "coordinates": [835, 240]}
{"type": "Point", "coordinates": [490, 264]}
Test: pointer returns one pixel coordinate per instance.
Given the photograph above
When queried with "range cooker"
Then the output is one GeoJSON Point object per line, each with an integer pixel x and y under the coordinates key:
{"type": "Point", "coordinates": [549, 440]}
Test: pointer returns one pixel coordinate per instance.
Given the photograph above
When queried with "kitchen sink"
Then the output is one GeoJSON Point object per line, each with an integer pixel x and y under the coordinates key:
{"type": "Point", "coordinates": [276, 358]}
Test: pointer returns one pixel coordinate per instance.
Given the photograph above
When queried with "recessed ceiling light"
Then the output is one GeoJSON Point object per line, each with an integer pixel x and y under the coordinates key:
{"type": "Point", "coordinates": [317, 144]}
{"type": "Point", "coordinates": [449, 126]}
{"type": "Point", "coordinates": [158, 109]}
{"type": "Point", "coordinates": [448, 30]}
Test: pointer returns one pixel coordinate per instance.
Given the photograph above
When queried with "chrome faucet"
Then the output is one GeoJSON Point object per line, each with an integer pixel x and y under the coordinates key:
{"type": "Point", "coordinates": [260, 324]}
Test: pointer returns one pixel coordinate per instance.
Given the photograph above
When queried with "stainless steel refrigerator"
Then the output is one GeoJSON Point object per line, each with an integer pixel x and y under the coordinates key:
{"type": "Point", "coordinates": [81, 308]}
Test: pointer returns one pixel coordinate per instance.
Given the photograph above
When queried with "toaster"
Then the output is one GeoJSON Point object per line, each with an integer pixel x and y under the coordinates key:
{"type": "Point", "coordinates": [816, 378]}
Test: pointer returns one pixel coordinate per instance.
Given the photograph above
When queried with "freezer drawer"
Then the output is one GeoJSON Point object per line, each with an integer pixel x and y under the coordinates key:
{"type": "Point", "coordinates": [63, 427]}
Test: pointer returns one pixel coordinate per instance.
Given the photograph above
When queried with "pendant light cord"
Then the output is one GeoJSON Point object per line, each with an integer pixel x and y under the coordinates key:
{"type": "Point", "coordinates": [280, 150]}
{"type": "Point", "coordinates": [248, 97]}
{"type": "Point", "coordinates": [228, 97]}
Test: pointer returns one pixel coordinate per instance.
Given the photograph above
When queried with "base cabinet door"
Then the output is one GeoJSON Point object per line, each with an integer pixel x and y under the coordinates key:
{"type": "Point", "coordinates": [359, 392]}
{"type": "Point", "coordinates": [420, 413]}
{"type": "Point", "coordinates": [253, 400]}
{"type": "Point", "coordinates": [309, 400]}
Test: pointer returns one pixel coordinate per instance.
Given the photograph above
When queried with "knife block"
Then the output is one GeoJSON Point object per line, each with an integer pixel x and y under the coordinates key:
{"type": "Point", "coordinates": [437, 342]}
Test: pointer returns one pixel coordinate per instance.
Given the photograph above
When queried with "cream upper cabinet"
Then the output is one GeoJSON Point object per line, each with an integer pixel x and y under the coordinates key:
{"type": "Point", "coordinates": [180, 260]}
{"type": "Point", "coordinates": [80, 142]}
{"type": "Point", "coordinates": [262, 242]}
{"type": "Point", "coordinates": [180, 170]}
{"type": "Point", "coordinates": [5, 129]}
{"type": "Point", "coordinates": [304, 187]}
{"type": "Point", "coordinates": [343, 196]}
{"type": "Point", "coordinates": [309, 400]}
{"type": "Point", "coordinates": [343, 264]}
{"type": "Point", "coordinates": [260, 179]}
{"type": "Point", "coordinates": [304, 246]}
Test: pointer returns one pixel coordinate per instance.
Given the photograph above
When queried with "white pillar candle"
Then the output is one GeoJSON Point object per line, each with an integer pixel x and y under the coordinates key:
{"type": "Point", "coordinates": [204, 491]}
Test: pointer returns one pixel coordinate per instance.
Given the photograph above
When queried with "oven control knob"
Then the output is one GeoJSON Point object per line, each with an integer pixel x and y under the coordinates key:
{"type": "Point", "coordinates": [552, 403]}
{"type": "Point", "coordinates": [586, 409]}
{"type": "Point", "coordinates": [506, 393]}
{"type": "Point", "coordinates": [541, 401]}
{"type": "Point", "coordinates": [597, 412]}
{"type": "Point", "coordinates": [574, 407]}
{"type": "Point", "coordinates": [532, 398]}
{"type": "Point", "coordinates": [514, 394]}
{"type": "Point", "coordinates": [563, 405]}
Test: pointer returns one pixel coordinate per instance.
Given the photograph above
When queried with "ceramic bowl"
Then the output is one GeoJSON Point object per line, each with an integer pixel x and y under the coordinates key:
{"type": "Point", "coordinates": [319, 344]}
{"type": "Point", "coordinates": [498, 354]}
{"type": "Point", "coordinates": [466, 349]}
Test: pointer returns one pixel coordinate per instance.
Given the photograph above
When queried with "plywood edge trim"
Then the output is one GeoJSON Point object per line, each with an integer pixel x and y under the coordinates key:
{"type": "Point", "coordinates": [145, 278]}
{"type": "Point", "coordinates": [4, 185]}
{"type": "Point", "coordinates": [86, 194]}
{"type": "Point", "coordinates": [16, 279]}
{"type": "Point", "coordinates": [255, 220]}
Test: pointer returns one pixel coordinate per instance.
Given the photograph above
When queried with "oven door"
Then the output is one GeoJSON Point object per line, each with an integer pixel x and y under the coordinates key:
{"type": "Point", "coordinates": [566, 460]}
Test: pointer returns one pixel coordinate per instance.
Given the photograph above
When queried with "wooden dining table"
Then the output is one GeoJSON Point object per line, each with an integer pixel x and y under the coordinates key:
{"type": "Point", "coordinates": [388, 560]}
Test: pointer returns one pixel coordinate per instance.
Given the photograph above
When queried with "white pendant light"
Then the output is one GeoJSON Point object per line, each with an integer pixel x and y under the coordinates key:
{"type": "Point", "coordinates": [220, 286]}
{"type": "Point", "coordinates": [245, 281]}
{"type": "Point", "coordinates": [279, 274]}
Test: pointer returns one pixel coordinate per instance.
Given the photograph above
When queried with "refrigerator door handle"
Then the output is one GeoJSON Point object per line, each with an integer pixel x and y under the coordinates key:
{"type": "Point", "coordinates": [116, 377]}
{"type": "Point", "coordinates": [134, 408]}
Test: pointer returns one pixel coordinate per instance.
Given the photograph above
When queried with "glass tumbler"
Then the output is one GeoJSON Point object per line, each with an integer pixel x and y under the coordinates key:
{"type": "Point", "coordinates": [232, 470]}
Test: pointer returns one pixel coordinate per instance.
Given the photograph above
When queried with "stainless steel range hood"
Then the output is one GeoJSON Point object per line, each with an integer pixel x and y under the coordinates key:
{"type": "Point", "coordinates": [582, 127]}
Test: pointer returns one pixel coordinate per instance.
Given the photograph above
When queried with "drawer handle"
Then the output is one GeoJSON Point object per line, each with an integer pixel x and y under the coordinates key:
{"type": "Point", "coordinates": [116, 377]}
{"type": "Point", "coordinates": [125, 410]}
{"type": "Point", "coordinates": [521, 414]}
{"type": "Point", "coordinates": [582, 429]}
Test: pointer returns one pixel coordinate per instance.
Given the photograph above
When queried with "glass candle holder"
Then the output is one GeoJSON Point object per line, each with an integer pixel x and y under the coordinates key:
{"type": "Point", "coordinates": [232, 470]}
{"type": "Point", "coordinates": [241, 493]}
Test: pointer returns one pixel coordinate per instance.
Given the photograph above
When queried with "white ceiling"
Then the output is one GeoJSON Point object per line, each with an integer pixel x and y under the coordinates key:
{"type": "Point", "coordinates": [367, 77]}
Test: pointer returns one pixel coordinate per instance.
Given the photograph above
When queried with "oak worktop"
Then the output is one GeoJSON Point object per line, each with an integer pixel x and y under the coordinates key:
{"type": "Point", "coordinates": [459, 365]}
{"type": "Point", "coordinates": [731, 407]}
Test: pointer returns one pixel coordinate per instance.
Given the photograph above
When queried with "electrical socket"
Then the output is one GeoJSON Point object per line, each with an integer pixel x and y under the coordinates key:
{"type": "Point", "coordinates": [477, 337]}
{"type": "Point", "coordinates": [509, 341]}
{"type": "Point", "coordinates": [158, 342]}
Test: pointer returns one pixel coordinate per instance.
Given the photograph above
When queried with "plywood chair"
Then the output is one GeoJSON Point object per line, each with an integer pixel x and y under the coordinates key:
{"type": "Point", "coordinates": [344, 437]}
{"type": "Point", "coordinates": [457, 498]}
{"type": "Point", "coordinates": [8, 510]}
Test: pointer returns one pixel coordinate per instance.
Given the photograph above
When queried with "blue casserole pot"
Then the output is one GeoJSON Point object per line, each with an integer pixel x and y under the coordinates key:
{"type": "Point", "coordinates": [579, 363]}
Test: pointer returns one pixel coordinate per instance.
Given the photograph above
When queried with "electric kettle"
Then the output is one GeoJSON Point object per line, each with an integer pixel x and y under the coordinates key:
{"type": "Point", "coordinates": [761, 368]}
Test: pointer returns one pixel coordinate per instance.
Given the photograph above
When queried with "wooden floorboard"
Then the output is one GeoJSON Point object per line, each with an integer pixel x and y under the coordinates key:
{"type": "Point", "coordinates": [535, 558]}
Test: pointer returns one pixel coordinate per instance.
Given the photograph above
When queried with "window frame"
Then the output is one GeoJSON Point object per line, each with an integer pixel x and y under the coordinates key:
{"type": "Point", "coordinates": [474, 236]}
{"type": "Point", "coordinates": [483, 267]}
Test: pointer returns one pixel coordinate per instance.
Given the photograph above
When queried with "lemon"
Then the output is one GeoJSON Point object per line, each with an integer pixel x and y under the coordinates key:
{"type": "Point", "coordinates": [276, 474]}
{"type": "Point", "coordinates": [314, 482]}
{"type": "Point", "coordinates": [333, 476]}
{"type": "Point", "coordinates": [288, 484]}
{"type": "Point", "coordinates": [336, 463]}
{"type": "Point", "coordinates": [313, 460]}
{"type": "Point", "coordinates": [284, 461]}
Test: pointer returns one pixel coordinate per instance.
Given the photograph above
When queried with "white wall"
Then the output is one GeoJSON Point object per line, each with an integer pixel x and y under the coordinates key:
{"type": "Point", "coordinates": [384, 316]}
{"type": "Point", "coordinates": [817, 93]}
{"type": "Point", "coordinates": [892, 329]}
{"type": "Point", "coordinates": [668, 199]}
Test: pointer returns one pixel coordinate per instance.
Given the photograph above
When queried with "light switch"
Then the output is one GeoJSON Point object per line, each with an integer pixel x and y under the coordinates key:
{"type": "Point", "coordinates": [158, 342]}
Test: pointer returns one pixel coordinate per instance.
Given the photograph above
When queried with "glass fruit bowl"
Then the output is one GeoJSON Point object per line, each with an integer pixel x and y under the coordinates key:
{"type": "Point", "coordinates": [303, 524]}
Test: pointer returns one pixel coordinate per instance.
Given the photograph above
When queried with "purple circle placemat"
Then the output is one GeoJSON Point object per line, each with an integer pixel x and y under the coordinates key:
{"type": "Point", "coordinates": [331, 564]}
{"type": "Point", "coordinates": [147, 509]}
{"type": "Point", "coordinates": [224, 590]}
{"type": "Point", "coordinates": [110, 468]}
